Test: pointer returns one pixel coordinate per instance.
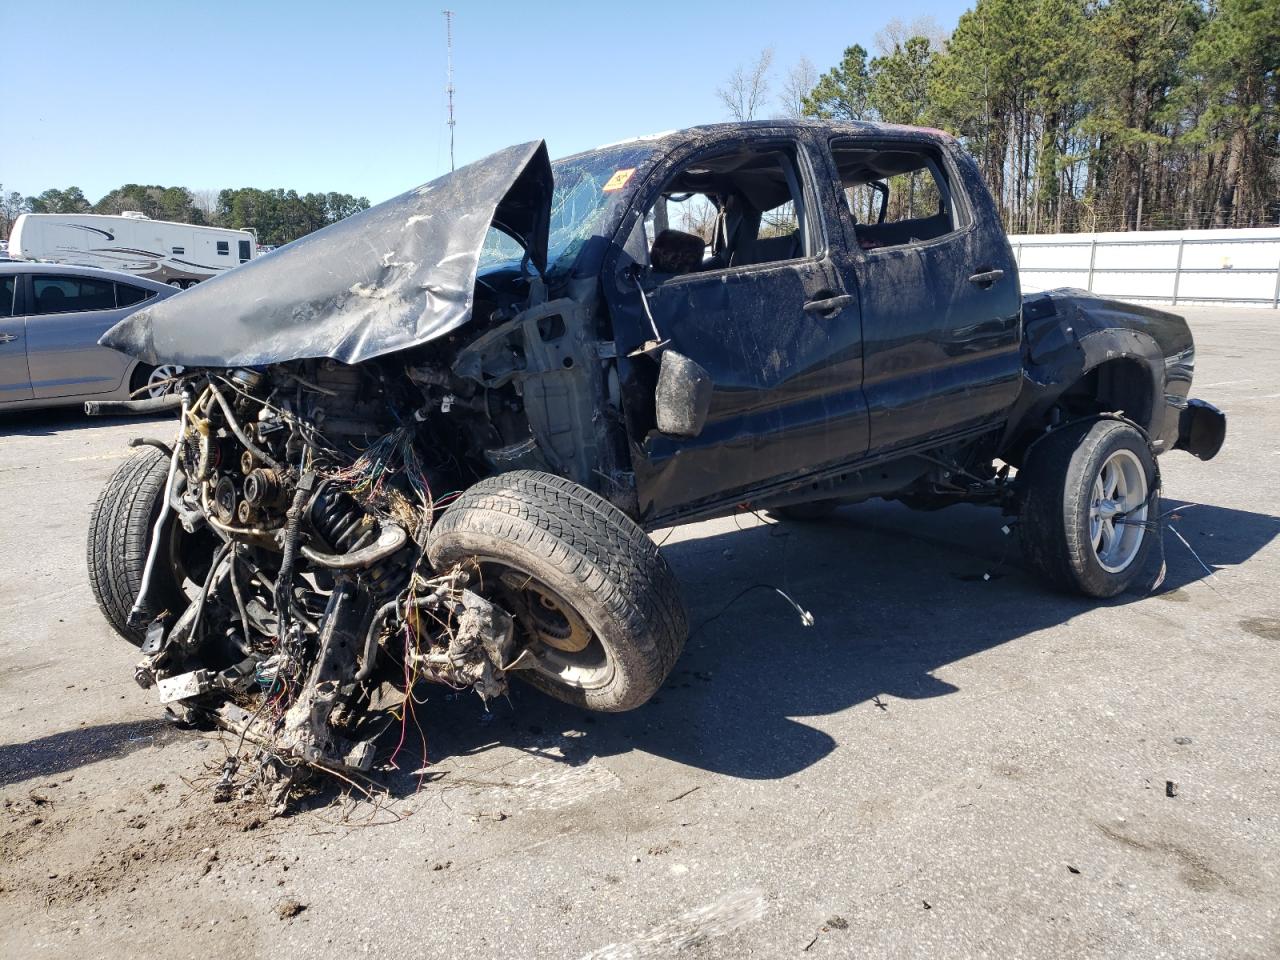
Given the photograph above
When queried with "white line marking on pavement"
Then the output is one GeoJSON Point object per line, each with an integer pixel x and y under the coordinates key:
{"type": "Point", "coordinates": [101, 456]}
{"type": "Point", "coordinates": [543, 791]}
{"type": "Point", "coordinates": [722, 916]}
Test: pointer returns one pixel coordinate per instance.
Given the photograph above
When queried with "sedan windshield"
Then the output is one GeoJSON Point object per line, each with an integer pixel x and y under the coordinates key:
{"type": "Point", "coordinates": [586, 187]}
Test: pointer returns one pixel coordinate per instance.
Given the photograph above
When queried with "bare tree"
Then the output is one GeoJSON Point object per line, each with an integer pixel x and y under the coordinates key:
{"type": "Point", "coordinates": [897, 32]}
{"type": "Point", "coordinates": [800, 81]}
{"type": "Point", "coordinates": [747, 88]}
{"type": "Point", "coordinates": [206, 200]}
{"type": "Point", "coordinates": [698, 216]}
{"type": "Point", "coordinates": [12, 205]}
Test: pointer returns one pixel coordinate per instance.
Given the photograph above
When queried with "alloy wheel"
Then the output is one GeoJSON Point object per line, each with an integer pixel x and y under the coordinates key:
{"type": "Point", "coordinates": [1118, 511]}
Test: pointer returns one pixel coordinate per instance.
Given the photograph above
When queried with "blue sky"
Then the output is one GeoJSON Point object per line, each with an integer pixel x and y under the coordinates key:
{"type": "Point", "coordinates": [349, 96]}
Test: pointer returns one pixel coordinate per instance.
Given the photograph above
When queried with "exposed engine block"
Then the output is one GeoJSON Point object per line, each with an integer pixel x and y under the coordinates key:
{"type": "Point", "coordinates": [311, 486]}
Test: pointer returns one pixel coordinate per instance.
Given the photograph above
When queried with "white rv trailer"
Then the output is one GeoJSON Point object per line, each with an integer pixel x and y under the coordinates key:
{"type": "Point", "coordinates": [179, 254]}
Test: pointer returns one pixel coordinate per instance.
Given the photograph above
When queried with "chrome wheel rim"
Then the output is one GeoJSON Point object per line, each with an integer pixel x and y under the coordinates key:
{"type": "Point", "coordinates": [158, 381]}
{"type": "Point", "coordinates": [1118, 511]}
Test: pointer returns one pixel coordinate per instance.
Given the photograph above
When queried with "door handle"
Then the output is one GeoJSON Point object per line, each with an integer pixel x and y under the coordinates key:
{"type": "Point", "coordinates": [986, 278]}
{"type": "Point", "coordinates": [829, 306]}
{"type": "Point", "coordinates": [8, 337]}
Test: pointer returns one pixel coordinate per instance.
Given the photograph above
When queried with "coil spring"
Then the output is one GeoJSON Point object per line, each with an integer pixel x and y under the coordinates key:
{"type": "Point", "coordinates": [343, 524]}
{"type": "Point", "coordinates": [340, 520]}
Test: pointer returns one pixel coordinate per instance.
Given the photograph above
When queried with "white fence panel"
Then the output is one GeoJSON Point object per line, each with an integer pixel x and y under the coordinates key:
{"type": "Point", "coordinates": [1159, 266]}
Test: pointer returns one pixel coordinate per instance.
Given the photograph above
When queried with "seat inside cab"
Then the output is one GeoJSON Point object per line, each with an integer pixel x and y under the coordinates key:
{"type": "Point", "coordinates": [739, 208]}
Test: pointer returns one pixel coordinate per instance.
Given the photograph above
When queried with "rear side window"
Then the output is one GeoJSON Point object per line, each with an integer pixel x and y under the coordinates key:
{"type": "Point", "coordinates": [7, 286]}
{"type": "Point", "coordinates": [244, 251]}
{"type": "Point", "coordinates": [72, 294]}
{"type": "Point", "coordinates": [127, 296]}
{"type": "Point", "coordinates": [224, 248]}
{"type": "Point", "coordinates": [897, 193]}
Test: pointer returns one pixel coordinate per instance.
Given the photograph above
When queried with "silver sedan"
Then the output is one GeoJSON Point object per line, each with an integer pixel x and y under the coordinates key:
{"type": "Point", "coordinates": [51, 316]}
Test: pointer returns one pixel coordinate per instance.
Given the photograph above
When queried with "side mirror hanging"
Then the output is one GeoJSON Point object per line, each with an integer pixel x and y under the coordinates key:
{"type": "Point", "coordinates": [683, 397]}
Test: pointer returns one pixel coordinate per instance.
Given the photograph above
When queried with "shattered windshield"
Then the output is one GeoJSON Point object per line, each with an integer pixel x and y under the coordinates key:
{"type": "Point", "coordinates": [586, 187]}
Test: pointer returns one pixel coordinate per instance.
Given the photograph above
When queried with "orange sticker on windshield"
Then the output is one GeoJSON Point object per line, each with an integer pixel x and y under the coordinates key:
{"type": "Point", "coordinates": [618, 180]}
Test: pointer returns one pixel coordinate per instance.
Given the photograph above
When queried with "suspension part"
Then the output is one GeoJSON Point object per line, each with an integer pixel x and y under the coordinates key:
{"type": "Point", "coordinates": [348, 528]}
{"type": "Point", "coordinates": [342, 523]}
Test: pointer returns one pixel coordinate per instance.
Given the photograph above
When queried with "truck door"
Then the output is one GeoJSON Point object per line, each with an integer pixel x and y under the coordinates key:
{"type": "Point", "coordinates": [15, 379]}
{"type": "Point", "coordinates": [68, 314]}
{"type": "Point", "coordinates": [732, 241]}
{"type": "Point", "coordinates": [938, 288]}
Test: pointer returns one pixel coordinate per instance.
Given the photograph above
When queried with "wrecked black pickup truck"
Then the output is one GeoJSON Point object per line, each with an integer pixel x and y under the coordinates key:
{"type": "Point", "coordinates": [425, 443]}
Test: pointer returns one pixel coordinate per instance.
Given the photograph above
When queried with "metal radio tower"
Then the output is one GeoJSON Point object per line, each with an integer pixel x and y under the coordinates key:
{"type": "Point", "coordinates": [448, 31]}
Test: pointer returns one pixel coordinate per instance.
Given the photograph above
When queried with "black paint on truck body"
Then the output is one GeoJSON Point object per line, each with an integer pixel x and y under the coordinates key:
{"type": "Point", "coordinates": [846, 366]}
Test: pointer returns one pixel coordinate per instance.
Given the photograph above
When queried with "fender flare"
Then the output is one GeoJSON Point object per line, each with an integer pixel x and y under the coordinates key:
{"type": "Point", "coordinates": [1045, 381]}
{"type": "Point", "coordinates": [1115, 343]}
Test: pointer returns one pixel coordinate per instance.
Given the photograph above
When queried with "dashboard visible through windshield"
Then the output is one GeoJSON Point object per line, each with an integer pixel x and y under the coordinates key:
{"type": "Point", "coordinates": [586, 187]}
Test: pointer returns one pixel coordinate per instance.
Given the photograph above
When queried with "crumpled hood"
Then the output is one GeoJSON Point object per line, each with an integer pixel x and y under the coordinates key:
{"type": "Point", "coordinates": [392, 277]}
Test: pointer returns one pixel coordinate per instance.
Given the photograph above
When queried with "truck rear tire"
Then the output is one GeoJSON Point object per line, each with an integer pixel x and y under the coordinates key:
{"type": "Point", "coordinates": [594, 598]}
{"type": "Point", "coordinates": [120, 537]}
{"type": "Point", "coordinates": [1088, 497]}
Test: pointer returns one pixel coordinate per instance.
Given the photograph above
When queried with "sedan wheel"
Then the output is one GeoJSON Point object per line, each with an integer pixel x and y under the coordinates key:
{"type": "Point", "coordinates": [568, 652]}
{"type": "Point", "coordinates": [161, 380]}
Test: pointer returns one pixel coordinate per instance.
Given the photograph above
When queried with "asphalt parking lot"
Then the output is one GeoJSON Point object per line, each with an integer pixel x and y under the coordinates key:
{"type": "Point", "coordinates": [950, 762]}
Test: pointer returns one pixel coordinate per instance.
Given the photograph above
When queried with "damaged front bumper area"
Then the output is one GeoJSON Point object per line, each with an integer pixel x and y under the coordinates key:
{"type": "Point", "coordinates": [338, 396]}
{"type": "Point", "coordinates": [302, 544]}
{"type": "Point", "coordinates": [312, 694]}
{"type": "Point", "coordinates": [322, 430]}
{"type": "Point", "coordinates": [1202, 429]}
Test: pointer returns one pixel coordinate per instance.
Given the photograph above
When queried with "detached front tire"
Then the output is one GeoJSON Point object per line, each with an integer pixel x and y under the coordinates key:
{"type": "Point", "coordinates": [595, 600]}
{"type": "Point", "coordinates": [1088, 495]}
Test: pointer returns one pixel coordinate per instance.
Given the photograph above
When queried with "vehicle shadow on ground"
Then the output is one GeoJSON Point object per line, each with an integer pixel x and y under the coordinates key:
{"type": "Point", "coordinates": [71, 749]}
{"type": "Point", "coordinates": [61, 420]}
{"type": "Point", "coordinates": [895, 596]}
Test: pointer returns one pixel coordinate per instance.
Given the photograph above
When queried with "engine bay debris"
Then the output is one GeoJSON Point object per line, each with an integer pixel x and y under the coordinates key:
{"type": "Point", "coordinates": [302, 547]}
